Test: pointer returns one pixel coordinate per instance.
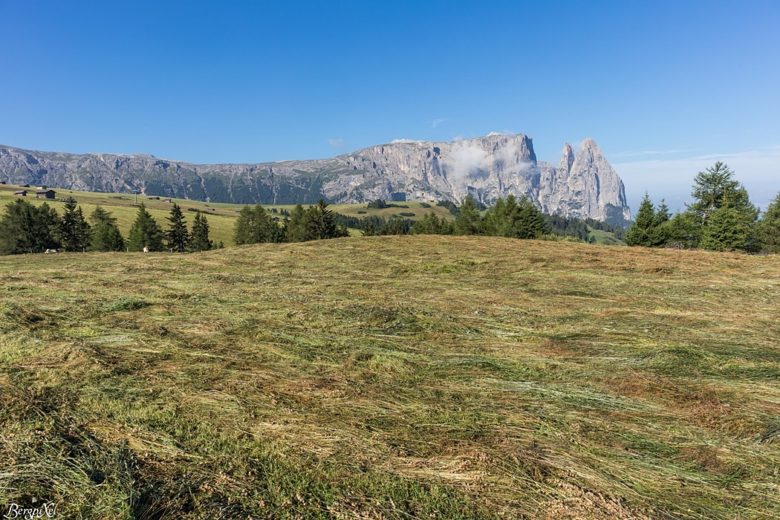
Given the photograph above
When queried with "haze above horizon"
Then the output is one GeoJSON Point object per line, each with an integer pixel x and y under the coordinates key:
{"type": "Point", "coordinates": [664, 88]}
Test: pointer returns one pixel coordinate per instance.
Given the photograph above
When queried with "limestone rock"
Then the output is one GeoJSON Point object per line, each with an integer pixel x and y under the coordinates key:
{"type": "Point", "coordinates": [582, 185]}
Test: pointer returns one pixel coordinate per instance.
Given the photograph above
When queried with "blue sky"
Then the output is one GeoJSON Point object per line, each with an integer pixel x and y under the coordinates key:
{"type": "Point", "coordinates": [664, 87]}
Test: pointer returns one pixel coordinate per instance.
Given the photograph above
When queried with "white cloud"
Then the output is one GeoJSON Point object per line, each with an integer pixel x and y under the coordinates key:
{"type": "Point", "coordinates": [758, 170]}
{"type": "Point", "coordinates": [465, 159]}
{"type": "Point", "coordinates": [438, 121]}
{"type": "Point", "coordinates": [403, 141]}
{"type": "Point", "coordinates": [336, 142]}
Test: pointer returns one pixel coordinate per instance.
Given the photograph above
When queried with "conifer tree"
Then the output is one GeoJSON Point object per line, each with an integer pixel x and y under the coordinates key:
{"type": "Point", "coordinates": [640, 232]}
{"type": "Point", "coordinates": [296, 225]}
{"type": "Point", "coordinates": [396, 226]}
{"type": "Point", "coordinates": [501, 218]}
{"type": "Point", "coordinates": [373, 226]}
{"type": "Point", "coordinates": [431, 224]}
{"type": "Point", "coordinates": [254, 225]}
{"type": "Point", "coordinates": [726, 230]}
{"type": "Point", "coordinates": [25, 228]}
{"type": "Point", "coordinates": [105, 233]}
{"type": "Point", "coordinates": [145, 232]}
{"type": "Point", "coordinates": [769, 228]}
{"type": "Point", "coordinates": [321, 223]}
{"type": "Point", "coordinates": [177, 235]}
{"type": "Point", "coordinates": [74, 229]}
{"type": "Point", "coordinates": [468, 221]}
{"type": "Point", "coordinates": [660, 232]}
{"type": "Point", "coordinates": [716, 187]}
{"type": "Point", "coordinates": [199, 238]}
{"type": "Point", "coordinates": [530, 221]}
{"type": "Point", "coordinates": [45, 228]}
{"type": "Point", "coordinates": [683, 231]}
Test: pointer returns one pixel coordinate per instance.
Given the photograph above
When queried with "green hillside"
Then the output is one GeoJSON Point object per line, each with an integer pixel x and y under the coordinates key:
{"type": "Point", "coordinates": [392, 377]}
{"type": "Point", "coordinates": [220, 216]}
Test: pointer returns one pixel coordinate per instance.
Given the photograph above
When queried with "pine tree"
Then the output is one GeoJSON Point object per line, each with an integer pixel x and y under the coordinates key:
{"type": "Point", "coordinates": [727, 229]}
{"type": "Point", "coordinates": [716, 187]}
{"type": "Point", "coordinates": [25, 228]}
{"type": "Point", "coordinates": [660, 232]}
{"type": "Point", "coordinates": [321, 223]}
{"type": "Point", "coordinates": [498, 219]}
{"type": "Point", "coordinates": [177, 235]}
{"type": "Point", "coordinates": [145, 232]}
{"type": "Point", "coordinates": [530, 221]}
{"type": "Point", "coordinates": [373, 226]}
{"type": "Point", "coordinates": [74, 229]}
{"type": "Point", "coordinates": [254, 225]}
{"type": "Point", "coordinates": [639, 234]}
{"type": "Point", "coordinates": [105, 233]}
{"type": "Point", "coordinates": [468, 221]}
{"type": "Point", "coordinates": [769, 228]}
{"type": "Point", "coordinates": [46, 227]}
{"type": "Point", "coordinates": [431, 224]}
{"type": "Point", "coordinates": [683, 231]}
{"type": "Point", "coordinates": [199, 238]}
{"type": "Point", "coordinates": [396, 226]}
{"type": "Point", "coordinates": [296, 226]}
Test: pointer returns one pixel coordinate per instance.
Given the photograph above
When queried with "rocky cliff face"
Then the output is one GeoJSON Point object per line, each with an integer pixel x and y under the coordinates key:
{"type": "Point", "coordinates": [582, 185]}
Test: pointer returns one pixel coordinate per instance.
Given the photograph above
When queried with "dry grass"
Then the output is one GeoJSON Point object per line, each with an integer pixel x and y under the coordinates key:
{"type": "Point", "coordinates": [393, 377]}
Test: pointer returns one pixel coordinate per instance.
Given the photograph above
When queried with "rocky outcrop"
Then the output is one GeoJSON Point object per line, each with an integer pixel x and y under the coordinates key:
{"type": "Point", "coordinates": [582, 185]}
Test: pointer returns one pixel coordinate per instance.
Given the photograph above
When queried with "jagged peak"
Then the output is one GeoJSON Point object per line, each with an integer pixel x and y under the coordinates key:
{"type": "Point", "coordinates": [567, 157]}
{"type": "Point", "coordinates": [589, 144]}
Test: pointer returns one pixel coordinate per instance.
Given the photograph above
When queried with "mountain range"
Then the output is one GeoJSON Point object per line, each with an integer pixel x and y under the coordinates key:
{"type": "Point", "coordinates": [583, 184]}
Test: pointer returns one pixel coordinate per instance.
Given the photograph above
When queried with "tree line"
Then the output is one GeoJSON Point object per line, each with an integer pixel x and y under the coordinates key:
{"type": "Point", "coordinates": [26, 228]}
{"type": "Point", "coordinates": [508, 217]}
{"type": "Point", "coordinates": [256, 225]}
{"type": "Point", "coordinates": [720, 218]}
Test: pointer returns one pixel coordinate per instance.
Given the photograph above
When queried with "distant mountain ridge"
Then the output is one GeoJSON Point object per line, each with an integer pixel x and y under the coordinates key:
{"type": "Point", "coordinates": [583, 184]}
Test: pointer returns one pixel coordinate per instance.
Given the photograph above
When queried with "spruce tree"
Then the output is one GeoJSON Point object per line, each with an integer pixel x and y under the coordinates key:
{"type": "Point", "coordinates": [769, 228]}
{"type": "Point", "coordinates": [683, 231]}
{"type": "Point", "coordinates": [373, 226]}
{"type": "Point", "coordinates": [296, 225]}
{"type": "Point", "coordinates": [25, 228]}
{"type": "Point", "coordinates": [145, 232]}
{"type": "Point", "coordinates": [660, 232]}
{"type": "Point", "coordinates": [46, 226]}
{"type": "Point", "coordinates": [177, 236]}
{"type": "Point", "coordinates": [468, 221]}
{"type": "Point", "coordinates": [321, 223]}
{"type": "Point", "coordinates": [431, 224]}
{"type": "Point", "coordinates": [254, 225]}
{"type": "Point", "coordinates": [727, 229]}
{"type": "Point", "coordinates": [716, 187]}
{"type": "Point", "coordinates": [640, 232]}
{"type": "Point", "coordinates": [74, 229]}
{"type": "Point", "coordinates": [199, 238]}
{"type": "Point", "coordinates": [530, 221]}
{"type": "Point", "coordinates": [105, 233]}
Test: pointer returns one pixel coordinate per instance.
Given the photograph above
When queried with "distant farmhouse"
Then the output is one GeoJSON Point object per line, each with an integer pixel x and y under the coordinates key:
{"type": "Point", "coordinates": [45, 194]}
{"type": "Point", "coordinates": [21, 193]}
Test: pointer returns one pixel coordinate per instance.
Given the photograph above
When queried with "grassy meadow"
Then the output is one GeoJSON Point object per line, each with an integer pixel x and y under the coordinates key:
{"type": "Point", "coordinates": [221, 217]}
{"type": "Point", "coordinates": [392, 377]}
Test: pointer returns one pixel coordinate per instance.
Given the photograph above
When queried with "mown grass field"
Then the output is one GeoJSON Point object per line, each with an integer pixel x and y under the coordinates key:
{"type": "Point", "coordinates": [392, 377]}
